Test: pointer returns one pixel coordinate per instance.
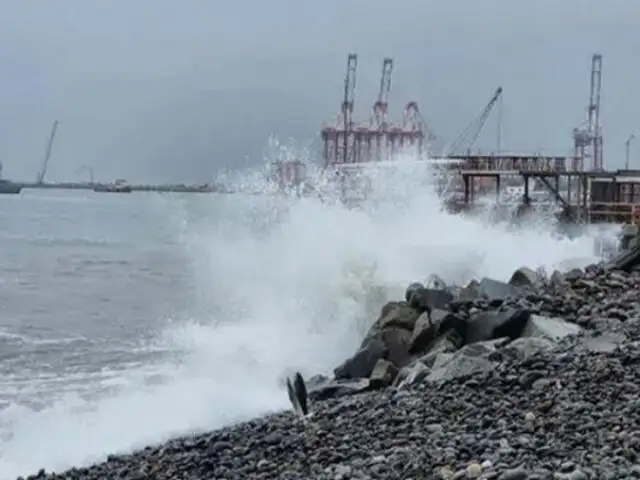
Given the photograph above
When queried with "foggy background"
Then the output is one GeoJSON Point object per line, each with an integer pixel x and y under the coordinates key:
{"type": "Point", "coordinates": [172, 91]}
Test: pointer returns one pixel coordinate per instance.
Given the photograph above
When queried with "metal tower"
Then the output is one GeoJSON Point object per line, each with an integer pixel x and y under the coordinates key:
{"type": "Point", "coordinates": [588, 137]}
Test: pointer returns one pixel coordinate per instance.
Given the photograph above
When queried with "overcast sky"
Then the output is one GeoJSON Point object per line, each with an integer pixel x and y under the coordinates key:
{"type": "Point", "coordinates": [160, 90]}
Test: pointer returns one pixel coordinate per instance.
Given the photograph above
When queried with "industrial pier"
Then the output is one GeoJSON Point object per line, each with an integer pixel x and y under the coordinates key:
{"type": "Point", "coordinates": [575, 182]}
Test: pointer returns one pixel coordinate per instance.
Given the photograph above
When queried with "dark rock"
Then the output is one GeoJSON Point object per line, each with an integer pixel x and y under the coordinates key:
{"type": "Point", "coordinates": [397, 342]}
{"type": "Point", "coordinates": [339, 388]}
{"type": "Point", "coordinates": [496, 324]}
{"type": "Point", "coordinates": [424, 299]}
{"type": "Point", "coordinates": [362, 363]}
{"type": "Point", "coordinates": [514, 474]}
{"type": "Point", "coordinates": [470, 292]}
{"type": "Point", "coordinates": [470, 359]}
{"type": "Point", "coordinates": [396, 314]}
{"type": "Point", "coordinates": [549, 328]}
{"type": "Point", "coordinates": [301, 393]}
{"type": "Point", "coordinates": [523, 277]}
{"type": "Point", "coordinates": [491, 288]}
{"type": "Point", "coordinates": [429, 326]}
{"type": "Point", "coordinates": [383, 375]}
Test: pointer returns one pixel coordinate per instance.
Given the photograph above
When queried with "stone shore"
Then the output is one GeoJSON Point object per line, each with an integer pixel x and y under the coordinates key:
{"type": "Point", "coordinates": [534, 378]}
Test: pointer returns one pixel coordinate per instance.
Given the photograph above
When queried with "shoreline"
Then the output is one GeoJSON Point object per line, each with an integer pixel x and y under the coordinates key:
{"type": "Point", "coordinates": [528, 379]}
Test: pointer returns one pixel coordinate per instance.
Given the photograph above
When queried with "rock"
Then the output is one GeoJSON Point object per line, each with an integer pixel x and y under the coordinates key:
{"type": "Point", "coordinates": [412, 374]}
{"type": "Point", "coordinates": [573, 274]}
{"type": "Point", "coordinates": [495, 324]}
{"type": "Point", "coordinates": [397, 342]}
{"type": "Point", "coordinates": [427, 328]}
{"type": "Point", "coordinates": [470, 292]}
{"type": "Point", "coordinates": [625, 260]}
{"type": "Point", "coordinates": [604, 343]}
{"type": "Point", "coordinates": [495, 289]}
{"type": "Point", "coordinates": [523, 277]}
{"type": "Point", "coordinates": [442, 344]}
{"type": "Point", "coordinates": [362, 363]}
{"type": "Point", "coordinates": [412, 289]}
{"type": "Point", "coordinates": [383, 375]}
{"type": "Point", "coordinates": [514, 474]}
{"type": "Point", "coordinates": [550, 328]}
{"type": "Point", "coordinates": [338, 388]}
{"type": "Point", "coordinates": [470, 359]}
{"type": "Point", "coordinates": [424, 299]}
{"type": "Point", "coordinates": [396, 314]}
{"type": "Point", "coordinates": [526, 347]}
{"type": "Point", "coordinates": [300, 390]}
{"type": "Point", "coordinates": [557, 279]}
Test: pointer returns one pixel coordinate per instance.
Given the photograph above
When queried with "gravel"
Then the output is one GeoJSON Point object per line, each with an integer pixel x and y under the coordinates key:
{"type": "Point", "coordinates": [572, 412]}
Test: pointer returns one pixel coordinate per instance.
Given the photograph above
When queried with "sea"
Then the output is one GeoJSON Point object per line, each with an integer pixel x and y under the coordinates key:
{"type": "Point", "coordinates": [126, 319]}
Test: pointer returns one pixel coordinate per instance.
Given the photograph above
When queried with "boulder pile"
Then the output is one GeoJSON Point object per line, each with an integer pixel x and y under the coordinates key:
{"type": "Point", "coordinates": [435, 332]}
{"type": "Point", "coordinates": [534, 378]}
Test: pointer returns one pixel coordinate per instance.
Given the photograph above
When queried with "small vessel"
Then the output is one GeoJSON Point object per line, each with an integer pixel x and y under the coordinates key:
{"type": "Point", "coordinates": [7, 186]}
{"type": "Point", "coordinates": [119, 186]}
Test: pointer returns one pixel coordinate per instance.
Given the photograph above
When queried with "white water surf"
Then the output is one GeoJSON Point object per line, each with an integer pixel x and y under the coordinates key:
{"type": "Point", "coordinates": [287, 282]}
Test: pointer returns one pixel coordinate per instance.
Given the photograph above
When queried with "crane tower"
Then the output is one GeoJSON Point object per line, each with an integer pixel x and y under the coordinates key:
{"type": "Point", "coordinates": [588, 137]}
{"type": "Point", "coordinates": [348, 142]}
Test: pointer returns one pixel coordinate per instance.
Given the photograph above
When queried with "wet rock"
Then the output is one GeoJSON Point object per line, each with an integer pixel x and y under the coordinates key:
{"type": "Point", "coordinates": [470, 292]}
{"type": "Point", "coordinates": [424, 299]}
{"type": "Point", "coordinates": [607, 342]}
{"type": "Point", "coordinates": [495, 324]}
{"type": "Point", "coordinates": [491, 288]}
{"type": "Point", "coordinates": [362, 363]}
{"type": "Point", "coordinates": [397, 342]}
{"type": "Point", "coordinates": [549, 328]}
{"type": "Point", "coordinates": [523, 277]}
{"type": "Point", "coordinates": [470, 359]}
{"type": "Point", "coordinates": [398, 315]}
{"type": "Point", "coordinates": [338, 388]}
{"type": "Point", "coordinates": [428, 326]}
{"type": "Point", "coordinates": [527, 347]}
{"type": "Point", "coordinates": [412, 374]}
{"type": "Point", "coordinates": [383, 375]}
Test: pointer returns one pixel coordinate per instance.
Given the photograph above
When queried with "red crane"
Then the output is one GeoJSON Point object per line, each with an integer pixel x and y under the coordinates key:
{"type": "Point", "coordinates": [348, 142]}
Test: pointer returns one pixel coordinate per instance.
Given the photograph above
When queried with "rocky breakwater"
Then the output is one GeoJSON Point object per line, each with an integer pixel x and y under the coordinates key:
{"type": "Point", "coordinates": [533, 378]}
{"type": "Point", "coordinates": [441, 333]}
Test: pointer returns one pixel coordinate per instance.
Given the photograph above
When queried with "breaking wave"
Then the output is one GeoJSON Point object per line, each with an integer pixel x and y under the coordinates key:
{"type": "Point", "coordinates": [286, 283]}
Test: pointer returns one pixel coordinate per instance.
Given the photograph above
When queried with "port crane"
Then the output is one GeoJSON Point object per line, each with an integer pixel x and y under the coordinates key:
{"type": "Point", "coordinates": [47, 155]}
{"type": "Point", "coordinates": [472, 131]}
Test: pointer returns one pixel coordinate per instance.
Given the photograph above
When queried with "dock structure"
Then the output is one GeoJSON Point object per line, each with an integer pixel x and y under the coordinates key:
{"type": "Point", "coordinates": [594, 196]}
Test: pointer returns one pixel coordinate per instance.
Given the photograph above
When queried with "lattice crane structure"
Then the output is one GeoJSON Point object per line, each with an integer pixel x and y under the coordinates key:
{"type": "Point", "coordinates": [348, 142]}
{"type": "Point", "coordinates": [587, 139]}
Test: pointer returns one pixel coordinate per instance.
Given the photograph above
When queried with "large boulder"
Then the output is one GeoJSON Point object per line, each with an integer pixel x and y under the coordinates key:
{"type": "Point", "coordinates": [553, 329]}
{"type": "Point", "coordinates": [396, 314]}
{"type": "Point", "coordinates": [397, 342]}
{"type": "Point", "coordinates": [361, 364]}
{"type": "Point", "coordinates": [424, 299]}
{"type": "Point", "coordinates": [491, 288]}
{"type": "Point", "coordinates": [383, 375]}
{"type": "Point", "coordinates": [526, 347]}
{"type": "Point", "coordinates": [427, 327]}
{"type": "Point", "coordinates": [338, 388]}
{"type": "Point", "coordinates": [470, 292]}
{"type": "Point", "coordinates": [523, 277]}
{"type": "Point", "coordinates": [479, 357]}
{"type": "Point", "coordinates": [487, 325]}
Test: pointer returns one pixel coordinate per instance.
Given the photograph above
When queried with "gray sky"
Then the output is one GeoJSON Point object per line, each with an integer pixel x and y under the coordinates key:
{"type": "Point", "coordinates": [160, 90]}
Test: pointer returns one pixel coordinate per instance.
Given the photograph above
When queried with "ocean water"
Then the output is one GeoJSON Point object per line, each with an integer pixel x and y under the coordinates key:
{"type": "Point", "coordinates": [127, 319]}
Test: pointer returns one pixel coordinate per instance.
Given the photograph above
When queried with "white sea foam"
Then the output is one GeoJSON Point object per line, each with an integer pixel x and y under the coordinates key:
{"type": "Point", "coordinates": [285, 284]}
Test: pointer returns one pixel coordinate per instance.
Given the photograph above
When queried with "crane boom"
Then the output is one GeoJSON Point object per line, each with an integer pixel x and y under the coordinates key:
{"type": "Point", "coordinates": [47, 155]}
{"type": "Point", "coordinates": [472, 131]}
{"type": "Point", "coordinates": [379, 113]}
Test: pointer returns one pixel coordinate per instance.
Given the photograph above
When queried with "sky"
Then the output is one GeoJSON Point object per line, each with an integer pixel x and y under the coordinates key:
{"type": "Point", "coordinates": [177, 91]}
